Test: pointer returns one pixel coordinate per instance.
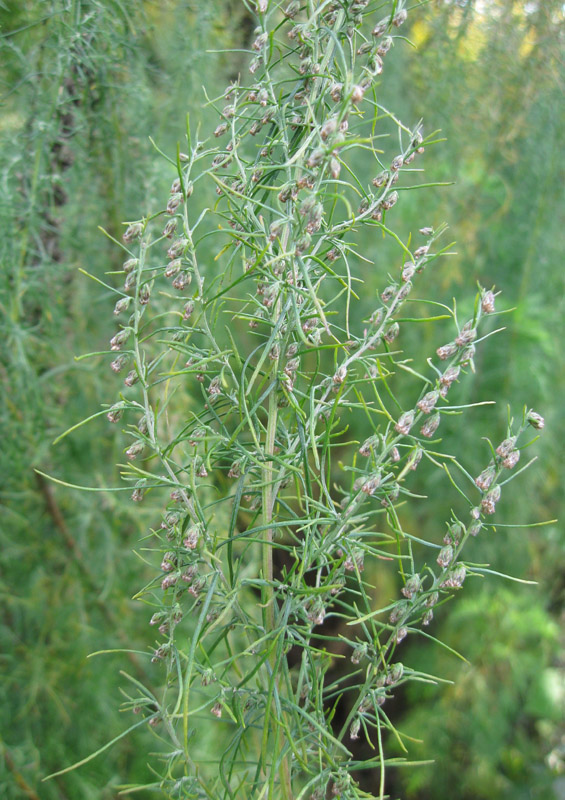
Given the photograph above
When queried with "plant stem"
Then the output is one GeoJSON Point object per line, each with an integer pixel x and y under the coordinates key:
{"type": "Point", "coordinates": [268, 503]}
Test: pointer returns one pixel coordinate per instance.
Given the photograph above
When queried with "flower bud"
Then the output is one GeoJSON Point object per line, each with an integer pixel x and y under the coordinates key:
{"type": "Point", "coordinates": [485, 479]}
{"type": "Point", "coordinates": [408, 271]}
{"type": "Point", "coordinates": [412, 587]}
{"type": "Point", "coordinates": [138, 493]}
{"type": "Point", "coordinates": [134, 450]}
{"type": "Point", "coordinates": [506, 447]}
{"type": "Point", "coordinates": [328, 128]}
{"type": "Point", "coordinates": [368, 444]}
{"type": "Point", "coordinates": [174, 202]}
{"type": "Point", "coordinates": [381, 178]}
{"type": "Point", "coordinates": [388, 293]}
{"type": "Point", "coordinates": [340, 375]}
{"type": "Point", "coordinates": [192, 537]}
{"type": "Point", "coordinates": [401, 634]}
{"type": "Point", "coordinates": [215, 387]}
{"type": "Point", "coordinates": [188, 574]}
{"type": "Point", "coordinates": [357, 94]}
{"type": "Point", "coordinates": [446, 351]}
{"type": "Point", "coordinates": [449, 376]}
{"type": "Point", "coordinates": [170, 228]}
{"type": "Point", "coordinates": [380, 28]}
{"type": "Point", "coordinates": [177, 248]}
{"type": "Point", "coordinates": [488, 504]}
{"type": "Point", "coordinates": [431, 425]}
{"type": "Point", "coordinates": [144, 294]}
{"type": "Point", "coordinates": [292, 9]}
{"type": "Point", "coordinates": [120, 338]}
{"type": "Point", "coordinates": [115, 412]}
{"type": "Point", "coordinates": [131, 378]}
{"type": "Point", "coordinates": [182, 280]}
{"type": "Point", "coordinates": [335, 92]}
{"type": "Point", "coordinates": [132, 232]}
{"type": "Point", "coordinates": [467, 355]}
{"type": "Point", "coordinates": [122, 305]}
{"type": "Point", "coordinates": [428, 402]}
{"type": "Point", "coordinates": [445, 556]}
{"type": "Point", "coordinates": [455, 578]}
{"type": "Point", "coordinates": [276, 229]}
{"type": "Point", "coordinates": [260, 42]}
{"type": "Point", "coordinates": [364, 48]}
{"type": "Point", "coordinates": [466, 336]}
{"type": "Point", "coordinates": [129, 265]}
{"type": "Point", "coordinates": [315, 158]}
{"type": "Point", "coordinates": [371, 485]}
{"type": "Point", "coordinates": [303, 243]}
{"type": "Point", "coordinates": [390, 201]}
{"type": "Point", "coordinates": [130, 281]}
{"type": "Point", "coordinates": [168, 563]}
{"type": "Point", "coordinates": [421, 251]}
{"type": "Point", "coordinates": [119, 363]}
{"type": "Point", "coordinates": [405, 423]}
{"type": "Point", "coordinates": [354, 729]}
{"type": "Point", "coordinates": [359, 652]}
{"type": "Point", "coordinates": [398, 612]}
{"type": "Point", "coordinates": [511, 460]}
{"type": "Point", "coordinates": [171, 519]}
{"type": "Point", "coordinates": [456, 532]}
{"type": "Point", "coordinates": [216, 710]}
{"type": "Point", "coordinates": [416, 457]}
{"type": "Point", "coordinates": [400, 18]}
{"type": "Point", "coordinates": [235, 470]}
{"type": "Point", "coordinates": [355, 561]}
{"type": "Point", "coordinates": [392, 332]}
{"type": "Point", "coordinates": [535, 420]}
{"type": "Point", "coordinates": [254, 65]}
{"type": "Point", "coordinates": [173, 268]}
{"type": "Point", "coordinates": [384, 47]}
{"type": "Point", "coordinates": [487, 303]}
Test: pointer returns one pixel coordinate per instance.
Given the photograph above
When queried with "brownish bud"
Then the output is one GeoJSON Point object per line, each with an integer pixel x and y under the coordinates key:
{"type": "Point", "coordinates": [446, 351]}
{"type": "Point", "coordinates": [445, 556]}
{"type": "Point", "coordinates": [132, 232]}
{"type": "Point", "coordinates": [405, 423]}
{"type": "Point", "coordinates": [535, 420]}
{"type": "Point", "coordinates": [430, 426]}
{"type": "Point", "coordinates": [487, 303]}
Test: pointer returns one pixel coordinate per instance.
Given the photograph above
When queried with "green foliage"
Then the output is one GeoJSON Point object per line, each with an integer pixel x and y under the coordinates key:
{"type": "Point", "coordinates": [78, 89]}
{"type": "Point", "coordinates": [483, 723]}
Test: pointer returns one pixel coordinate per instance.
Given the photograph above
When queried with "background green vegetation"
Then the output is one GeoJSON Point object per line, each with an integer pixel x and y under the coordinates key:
{"type": "Point", "coordinates": [83, 86]}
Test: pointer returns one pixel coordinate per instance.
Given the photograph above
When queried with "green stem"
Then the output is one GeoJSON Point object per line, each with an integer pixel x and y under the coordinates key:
{"type": "Point", "coordinates": [268, 503]}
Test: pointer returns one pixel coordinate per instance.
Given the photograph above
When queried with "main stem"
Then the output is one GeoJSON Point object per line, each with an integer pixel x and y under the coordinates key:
{"type": "Point", "coordinates": [268, 503]}
{"type": "Point", "coordinates": [269, 492]}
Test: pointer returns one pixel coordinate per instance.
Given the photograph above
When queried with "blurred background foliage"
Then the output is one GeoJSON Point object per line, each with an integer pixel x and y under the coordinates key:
{"type": "Point", "coordinates": [83, 86]}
